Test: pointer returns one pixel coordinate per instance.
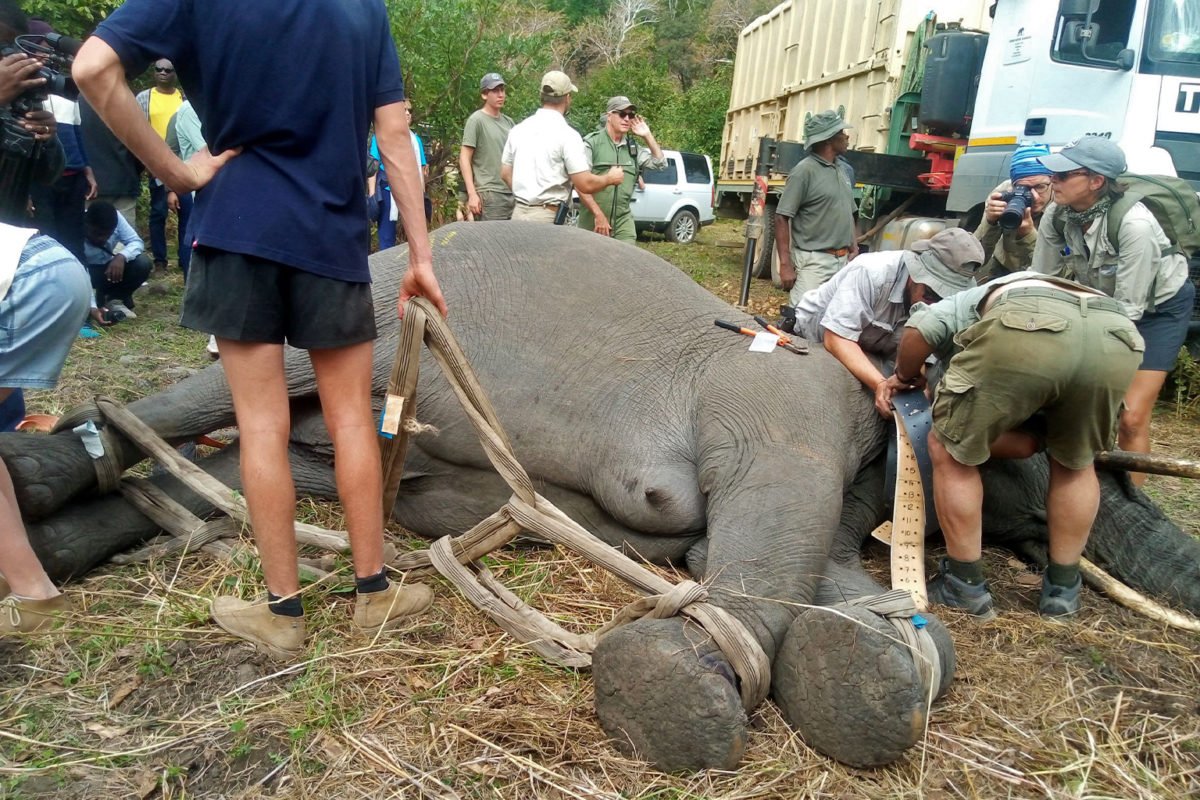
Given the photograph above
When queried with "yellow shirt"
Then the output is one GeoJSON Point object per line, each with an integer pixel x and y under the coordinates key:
{"type": "Point", "coordinates": [162, 108]}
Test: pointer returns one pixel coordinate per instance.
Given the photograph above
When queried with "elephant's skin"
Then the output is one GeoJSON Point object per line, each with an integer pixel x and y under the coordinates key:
{"type": "Point", "coordinates": [655, 430]}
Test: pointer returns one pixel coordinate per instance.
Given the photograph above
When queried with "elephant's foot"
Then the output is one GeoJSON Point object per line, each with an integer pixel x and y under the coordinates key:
{"type": "Point", "coordinates": [849, 685]}
{"type": "Point", "coordinates": [666, 694]}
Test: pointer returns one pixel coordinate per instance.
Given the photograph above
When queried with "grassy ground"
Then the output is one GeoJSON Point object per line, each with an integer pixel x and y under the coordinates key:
{"type": "Point", "coordinates": [143, 698]}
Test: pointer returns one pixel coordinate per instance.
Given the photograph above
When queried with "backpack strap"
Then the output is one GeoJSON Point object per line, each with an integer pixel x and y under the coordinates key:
{"type": "Point", "coordinates": [1116, 215]}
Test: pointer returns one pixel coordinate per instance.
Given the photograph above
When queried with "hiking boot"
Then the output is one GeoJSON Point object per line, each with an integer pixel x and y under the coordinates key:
{"type": "Point", "coordinates": [22, 615]}
{"type": "Point", "coordinates": [375, 611]}
{"type": "Point", "coordinates": [1059, 601]}
{"type": "Point", "coordinates": [947, 590]}
{"type": "Point", "coordinates": [4, 590]}
{"type": "Point", "coordinates": [274, 634]}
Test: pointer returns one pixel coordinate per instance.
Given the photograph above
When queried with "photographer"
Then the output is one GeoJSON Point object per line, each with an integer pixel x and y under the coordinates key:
{"type": "Point", "coordinates": [1010, 237]}
{"type": "Point", "coordinates": [30, 152]}
{"type": "Point", "coordinates": [1143, 272]}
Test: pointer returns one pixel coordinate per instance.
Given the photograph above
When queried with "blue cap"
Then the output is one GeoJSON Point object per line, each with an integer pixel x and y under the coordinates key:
{"type": "Point", "coordinates": [1025, 162]}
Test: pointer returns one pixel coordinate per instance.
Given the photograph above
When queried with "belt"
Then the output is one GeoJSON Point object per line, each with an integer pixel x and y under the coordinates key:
{"type": "Point", "coordinates": [552, 205]}
{"type": "Point", "coordinates": [1090, 302]}
{"type": "Point", "coordinates": [838, 251]}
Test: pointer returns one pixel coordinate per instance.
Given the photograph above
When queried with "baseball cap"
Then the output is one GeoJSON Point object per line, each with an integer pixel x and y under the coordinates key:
{"type": "Point", "coordinates": [946, 263]}
{"type": "Point", "coordinates": [491, 81]}
{"type": "Point", "coordinates": [1102, 156]}
{"type": "Point", "coordinates": [619, 103]}
{"type": "Point", "coordinates": [557, 84]}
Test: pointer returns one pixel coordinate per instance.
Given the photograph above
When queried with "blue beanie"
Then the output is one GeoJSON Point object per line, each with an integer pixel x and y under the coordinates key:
{"type": "Point", "coordinates": [1025, 162]}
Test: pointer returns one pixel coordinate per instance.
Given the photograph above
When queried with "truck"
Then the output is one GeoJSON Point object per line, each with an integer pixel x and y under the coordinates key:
{"type": "Point", "coordinates": [940, 92]}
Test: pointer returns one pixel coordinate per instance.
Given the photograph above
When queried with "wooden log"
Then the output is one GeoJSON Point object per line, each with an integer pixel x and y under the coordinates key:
{"type": "Point", "coordinates": [1152, 463]}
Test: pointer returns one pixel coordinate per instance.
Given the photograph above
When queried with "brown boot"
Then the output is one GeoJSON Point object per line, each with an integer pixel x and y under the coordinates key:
{"type": "Point", "coordinates": [274, 634]}
{"type": "Point", "coordinates": [382, 610]}
{"type": "Point", "coordinates": [22, 615]}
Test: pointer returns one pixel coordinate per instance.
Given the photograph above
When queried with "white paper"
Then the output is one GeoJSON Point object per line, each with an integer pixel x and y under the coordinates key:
{"type": "Point", "coordinates": [764, 342]}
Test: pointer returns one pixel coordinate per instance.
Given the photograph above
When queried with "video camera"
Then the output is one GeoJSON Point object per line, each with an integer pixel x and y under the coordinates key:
{"type": "Point", "coordinates": [57, 53]}
{"type": "Point", "coordinates": [1018, 200]}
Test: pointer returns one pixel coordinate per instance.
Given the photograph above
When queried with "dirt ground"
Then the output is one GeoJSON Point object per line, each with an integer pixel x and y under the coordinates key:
{"type": "Point", "coordinates": [142, 697]}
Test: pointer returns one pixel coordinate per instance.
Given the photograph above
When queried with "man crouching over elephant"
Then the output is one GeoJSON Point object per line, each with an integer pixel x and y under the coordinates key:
{"type": "Point", "coordinates": [862, 309]}
{"type": "Point", "coordinates": [1017, 347]}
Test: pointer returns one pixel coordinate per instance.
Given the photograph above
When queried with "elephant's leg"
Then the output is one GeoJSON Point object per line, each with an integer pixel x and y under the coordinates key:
{"type": "Point", "coordinates": [846, 680]}
{"type": "Point", "coordinates": [438, 498]}
{"type": "Point", "coordinates": [765, 554]}
{"type": "Point", "coordinates": [864, 507]}
{"type": "Point", "coordinates": [83, 535]}
{"type": "Point", "coordinates": [1160, 560]}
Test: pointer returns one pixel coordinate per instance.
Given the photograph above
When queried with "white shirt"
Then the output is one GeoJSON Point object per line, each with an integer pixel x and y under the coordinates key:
{"type": "Point", "coordinates": [12, 242]}
{"type": "Point", "coordinates": [863, 302]}
{"type": "Point", "coordinates": [544, 151]}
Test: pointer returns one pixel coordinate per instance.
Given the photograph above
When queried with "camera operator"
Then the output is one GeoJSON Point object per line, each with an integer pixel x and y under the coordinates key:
{"type": "Point", "coordinates": [1010, 238]}
{"type": "Point", "coordinates": [1143, 271]}
{"type": "Point", "coordinates": [30, 151]}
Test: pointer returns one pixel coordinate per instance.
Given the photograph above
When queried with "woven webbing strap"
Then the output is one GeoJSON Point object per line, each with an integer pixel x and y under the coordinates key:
{"type": "Point", "coordinates": [108, 468]}
{"type": "Point", "coordinates": [897, 608]}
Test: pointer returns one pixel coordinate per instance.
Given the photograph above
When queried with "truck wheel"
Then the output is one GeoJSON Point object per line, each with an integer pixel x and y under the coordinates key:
{"type": "Point", "coordinates": [683, 227]}
{"type": "Point", "coordinates": [765, 253]}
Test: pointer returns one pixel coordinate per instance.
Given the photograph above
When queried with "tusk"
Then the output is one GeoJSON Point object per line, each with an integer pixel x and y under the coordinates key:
{"type": "Point", "coordinates": [1131, 598]}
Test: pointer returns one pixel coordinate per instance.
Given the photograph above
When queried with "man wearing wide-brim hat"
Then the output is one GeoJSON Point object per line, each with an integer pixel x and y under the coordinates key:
{"type": "Point", "coordinates": [544, 157]}
{"type": "Point", "coordinates": [814, 220]}
{"type": "Point", "coordinates": [861, 311]}
{"type": "Point", "coordinates": [608, 211]}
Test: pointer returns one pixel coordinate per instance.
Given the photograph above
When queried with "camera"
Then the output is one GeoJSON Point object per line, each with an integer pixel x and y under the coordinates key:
{"type": "Point", "coordinates": [56, 53]}
{"type": "Point", "coordinates": [110, 315]}
{"type": "Point", "coordinates": [1018, 200]}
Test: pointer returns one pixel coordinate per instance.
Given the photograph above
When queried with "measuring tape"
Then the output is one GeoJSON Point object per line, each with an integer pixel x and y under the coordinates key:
{"type": "Point", "coordinates": [912, 497]}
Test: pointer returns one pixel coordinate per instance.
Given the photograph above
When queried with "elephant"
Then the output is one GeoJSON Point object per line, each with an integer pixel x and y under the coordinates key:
{"type": "Point", "coordinates": [760, 473]}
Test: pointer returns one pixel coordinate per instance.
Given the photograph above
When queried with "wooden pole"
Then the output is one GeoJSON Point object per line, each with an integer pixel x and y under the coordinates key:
{"type": "Point", "coordinates": [1148, 462]}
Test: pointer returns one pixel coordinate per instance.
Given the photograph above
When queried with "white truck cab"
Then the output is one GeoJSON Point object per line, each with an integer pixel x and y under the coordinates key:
{"type": "Point", "coordinates": [1056, 70]}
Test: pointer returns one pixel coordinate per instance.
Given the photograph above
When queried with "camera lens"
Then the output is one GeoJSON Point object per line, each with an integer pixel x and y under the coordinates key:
{"type": "Point", "coordinates": [1019, 199]}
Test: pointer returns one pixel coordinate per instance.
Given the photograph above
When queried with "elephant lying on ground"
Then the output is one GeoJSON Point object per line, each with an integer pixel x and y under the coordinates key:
{"type": "Point", "coordinates": [663, 435]}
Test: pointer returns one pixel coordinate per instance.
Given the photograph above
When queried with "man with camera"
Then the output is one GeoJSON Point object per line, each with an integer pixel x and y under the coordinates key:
{"type": "Point", "coordinates": [281, 251]}
{"type": "Point", "coordinates": [1009, 227]}
{"type": "Point", "coordinates": [29, 152]}
{"type": "Point", "coordinates": [115, 258]}
{"type": "Point", "coordinates": [607, 212]}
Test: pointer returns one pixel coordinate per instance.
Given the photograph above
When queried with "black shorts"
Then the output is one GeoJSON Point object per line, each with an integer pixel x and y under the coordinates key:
{"type": "Point", "coordinates": [1165, 329]}
{"type": "Point", "coordinates": [250, 299]}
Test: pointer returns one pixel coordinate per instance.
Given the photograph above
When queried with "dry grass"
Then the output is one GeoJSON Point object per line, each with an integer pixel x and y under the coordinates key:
{"type": "Point", "coordinates": [143, 697]}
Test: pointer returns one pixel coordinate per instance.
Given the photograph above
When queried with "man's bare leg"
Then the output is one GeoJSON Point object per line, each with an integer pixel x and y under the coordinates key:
{"type": "Point", "coordinates": [1072, 502]}
{"type": "Point", "coordinates": [260, 401]}
{"type": "Point", "coordinates": [344, 384]}
{"type": "Point", "coordinates": [1133, 434]}
{"type": "Point", "coordinates": [958, 495]}
{"type": "Point", "coordinates": [19, 565]}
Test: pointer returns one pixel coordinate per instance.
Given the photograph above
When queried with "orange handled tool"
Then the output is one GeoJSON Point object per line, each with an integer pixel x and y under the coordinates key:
{"type": "Point", "coordinates": [786, 345]}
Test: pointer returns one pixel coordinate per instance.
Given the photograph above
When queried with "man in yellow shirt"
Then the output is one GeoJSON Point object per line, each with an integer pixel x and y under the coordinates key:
{"type": "Point", "coordinates": [160, 102]}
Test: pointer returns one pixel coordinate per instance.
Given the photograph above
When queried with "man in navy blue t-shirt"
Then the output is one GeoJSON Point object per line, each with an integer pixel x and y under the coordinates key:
{"type": "Point", "coordinates": [281, 256]}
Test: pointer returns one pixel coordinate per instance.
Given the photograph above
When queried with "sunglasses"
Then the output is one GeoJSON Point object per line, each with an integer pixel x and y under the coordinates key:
{"type": "Point", "coordinates": [626, 114]}
{"type": "Point", "coordinates": [164, 70]}
{"type": "Point", "coordinates": [1062, 176]}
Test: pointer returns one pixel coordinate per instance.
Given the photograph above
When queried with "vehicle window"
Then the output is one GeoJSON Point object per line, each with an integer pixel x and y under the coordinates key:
{"type": "Point", "coordinates": [695, 168]}
{"type": "Point", "coordinates": [1091, 31]}
{"type": "Point", "coordinates": [1175, 31]}
{"type": "Point", "coordinates": [668, 174]}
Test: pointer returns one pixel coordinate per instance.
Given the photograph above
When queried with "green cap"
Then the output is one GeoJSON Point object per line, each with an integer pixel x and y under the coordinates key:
{"type": "Point", "coordinates": [826, 125]}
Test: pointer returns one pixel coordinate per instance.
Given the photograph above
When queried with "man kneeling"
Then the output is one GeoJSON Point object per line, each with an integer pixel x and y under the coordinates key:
{"type": "Point", "coordinates": [115, 259]}
{"type": "Point", "coordinates": [1020, 346]}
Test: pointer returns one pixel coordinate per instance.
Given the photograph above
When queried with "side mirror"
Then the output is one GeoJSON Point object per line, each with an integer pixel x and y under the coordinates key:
{"type": "Point", "coordinates": [1125, 59]}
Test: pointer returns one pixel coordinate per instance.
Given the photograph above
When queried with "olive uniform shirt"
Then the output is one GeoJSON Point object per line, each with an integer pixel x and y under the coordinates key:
{"type": "Point", "coordinates": [819, 200]}
{"type": "Point", "coordinates": [1009, 251]}
{"type": "Point", "coordinates": [487, 134]}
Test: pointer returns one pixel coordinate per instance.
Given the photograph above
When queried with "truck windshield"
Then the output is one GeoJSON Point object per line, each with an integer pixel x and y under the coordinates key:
{"type": "Point", "coordinates": [1173, 32]}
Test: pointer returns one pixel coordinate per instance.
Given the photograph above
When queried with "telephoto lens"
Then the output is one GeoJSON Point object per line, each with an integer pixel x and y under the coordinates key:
{"type": "Point", "coordinates": [1019, 199]}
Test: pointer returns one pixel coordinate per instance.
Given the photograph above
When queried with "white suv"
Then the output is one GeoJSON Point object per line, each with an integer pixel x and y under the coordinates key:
{"type": "Point", "coordinates": [677, 200]}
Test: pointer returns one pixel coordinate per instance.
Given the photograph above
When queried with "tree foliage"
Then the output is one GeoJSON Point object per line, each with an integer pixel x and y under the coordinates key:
{"type": "Point", "coordinates": [72, 17]}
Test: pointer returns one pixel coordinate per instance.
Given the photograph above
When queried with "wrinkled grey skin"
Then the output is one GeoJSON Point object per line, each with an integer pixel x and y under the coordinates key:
{"type": "Point", "coordinates": [664, 436]}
